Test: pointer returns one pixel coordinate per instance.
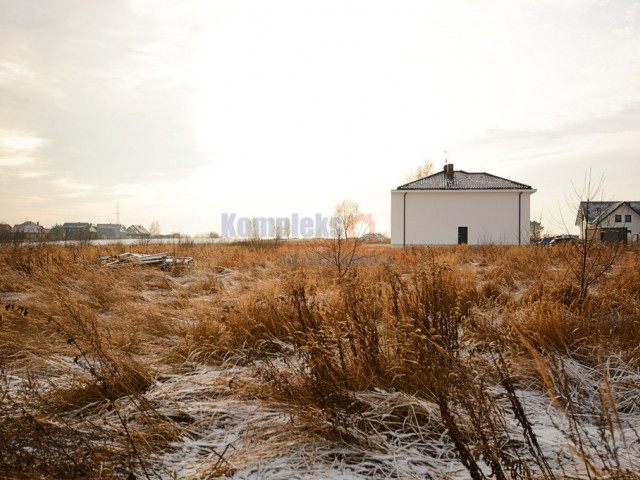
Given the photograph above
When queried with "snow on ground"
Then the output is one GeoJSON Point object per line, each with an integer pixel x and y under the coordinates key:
{"type": "Point", "coordinates": [241, 436]}
{"type": "Point", "coordinates": [247, 438]}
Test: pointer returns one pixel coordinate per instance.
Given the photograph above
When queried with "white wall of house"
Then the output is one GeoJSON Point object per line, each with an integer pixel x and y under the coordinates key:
{"type": "Point", "coordinates": [432, 217]}
{"type": "Point", "coordinates": [632, 226]}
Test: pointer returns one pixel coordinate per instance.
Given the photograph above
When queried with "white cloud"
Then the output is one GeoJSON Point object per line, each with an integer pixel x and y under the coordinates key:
{"type": "Point", "coordinates": [31, 173]}
{"type": "Point", "coordinates": [13, 71]}
{"type": "Point", "coordinates": [17, 148]}
{"type": "Point", "coordinates": [67, 187]}
{"type": "Point", "coordinates": [13, 160]}
{"type": "Point", "coordinates": [18, 141]}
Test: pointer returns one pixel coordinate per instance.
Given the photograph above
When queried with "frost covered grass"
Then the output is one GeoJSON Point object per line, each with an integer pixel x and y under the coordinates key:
{"type": "Point", "coordinates": [459, 362]}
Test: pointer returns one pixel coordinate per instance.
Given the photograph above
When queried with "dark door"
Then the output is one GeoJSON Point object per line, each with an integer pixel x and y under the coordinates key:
{"type": "Point", "coordinates": [462, 234]}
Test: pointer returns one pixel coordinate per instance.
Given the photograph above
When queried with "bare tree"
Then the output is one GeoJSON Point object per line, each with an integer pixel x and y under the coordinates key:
{"type": "Point", "coordinates": [345, 236]}
{"type": "Point", "coordinates": [421, 171]}
{"type": "Point", "coordinates": [255, 233]}
{"type": "Point", "coordinates": [259, 228]}
{"type": "Point", "coordinates": [591, 257]}
{"type": "Point", "coordinates": [536, 229]}
{"type": "Point", "coordinates": [282, 227]}
{"type": "Point", "coordinates": [154, 228]}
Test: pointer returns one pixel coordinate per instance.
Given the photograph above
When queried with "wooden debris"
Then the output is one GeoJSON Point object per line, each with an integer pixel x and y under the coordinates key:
{"type": "Point", "coordinates": [163, 260]}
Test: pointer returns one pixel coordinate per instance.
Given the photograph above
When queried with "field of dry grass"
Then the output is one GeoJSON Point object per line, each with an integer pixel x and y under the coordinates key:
{"type": "Point", "coordinates": [458, 362]}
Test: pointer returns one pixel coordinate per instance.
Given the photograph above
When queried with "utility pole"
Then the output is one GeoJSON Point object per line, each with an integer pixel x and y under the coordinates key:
{"type": "Point", "coordinates": [117, 213]}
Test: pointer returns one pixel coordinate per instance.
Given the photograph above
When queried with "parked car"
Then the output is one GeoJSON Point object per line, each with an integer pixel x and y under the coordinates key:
{"type": "Point", "coordinates": [561, 239]}
{"type": "Point", "coordinates": [545, 241]}
{"type": "Point", "coordinates": [557, 240]}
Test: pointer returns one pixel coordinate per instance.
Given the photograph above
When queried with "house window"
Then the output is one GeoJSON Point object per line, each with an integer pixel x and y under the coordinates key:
{"type": "Point", "coordinates": [627, 218]}
{"type": "Point", "coordinates": [618, 218]}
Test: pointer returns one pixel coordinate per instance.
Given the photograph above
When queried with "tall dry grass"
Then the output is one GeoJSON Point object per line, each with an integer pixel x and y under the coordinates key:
{"type": "Point", "coordinates": [463, 329]}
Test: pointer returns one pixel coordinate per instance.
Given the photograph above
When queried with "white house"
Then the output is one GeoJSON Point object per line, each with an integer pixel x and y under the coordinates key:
{"type": "Point", "coordinates": [452, 207]}
{"type": "Point", "coordinates": [610, 220]}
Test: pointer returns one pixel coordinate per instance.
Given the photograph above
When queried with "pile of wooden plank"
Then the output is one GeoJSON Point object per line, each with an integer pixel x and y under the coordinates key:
{"type": "Point", "coordinates": [163, 260]}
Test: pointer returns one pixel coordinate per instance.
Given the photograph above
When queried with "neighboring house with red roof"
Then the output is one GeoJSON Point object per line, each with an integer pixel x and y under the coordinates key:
{"type": "Point", "coordinates": [609, 221]}
{"type": "Point", "coordinates": [454, 206]}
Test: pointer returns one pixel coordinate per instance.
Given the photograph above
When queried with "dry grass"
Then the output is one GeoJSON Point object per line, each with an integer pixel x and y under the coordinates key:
{"type": "Point", "coordinates": [440, 346]}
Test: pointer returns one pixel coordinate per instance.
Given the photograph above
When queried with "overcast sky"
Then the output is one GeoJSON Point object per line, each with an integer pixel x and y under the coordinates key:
{"type": "Point", "coordinates": [182, 111]}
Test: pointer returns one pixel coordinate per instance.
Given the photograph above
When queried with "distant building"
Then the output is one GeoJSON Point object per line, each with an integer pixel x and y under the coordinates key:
{"type": "Point", "coordinates": [138, 231]}
{"type": "Point", "coordinates": [111, 231]}
{"type": "Point", "coordinates": [29, 232]}
{"type": "Point", "coordinates": [79, 231]}
{"type": "Point", "coordinates": [609, 221]}
{"type": "Point", "coordinates": [452, 207]}
{"type": "Point", "coordinates": [5, 233]}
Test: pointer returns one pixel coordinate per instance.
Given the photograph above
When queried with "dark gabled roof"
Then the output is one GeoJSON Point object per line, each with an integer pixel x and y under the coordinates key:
{"type": "Point", "coordinates": [110, 225]}
{"type": "Point", "coordinates": [464, 181]}
{"type": "Point", "coordinates": [89, 227]}
{"type": "Point", "coordinates": [76, 225]}
{"type": "Point", "coordinates": [138, 230]}
{"type": "Point", "coordinates": [596, 212]}
{"type": "Point", "coordinates": [111, 229]}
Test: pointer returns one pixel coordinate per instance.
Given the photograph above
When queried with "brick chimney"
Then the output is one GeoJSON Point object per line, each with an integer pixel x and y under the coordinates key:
{"type": "Point", "coordinates": [448, 171]}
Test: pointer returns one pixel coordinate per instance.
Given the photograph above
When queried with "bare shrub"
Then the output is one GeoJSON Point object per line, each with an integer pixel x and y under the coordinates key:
{"type": "Point", "coordinates": [345, 237]}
